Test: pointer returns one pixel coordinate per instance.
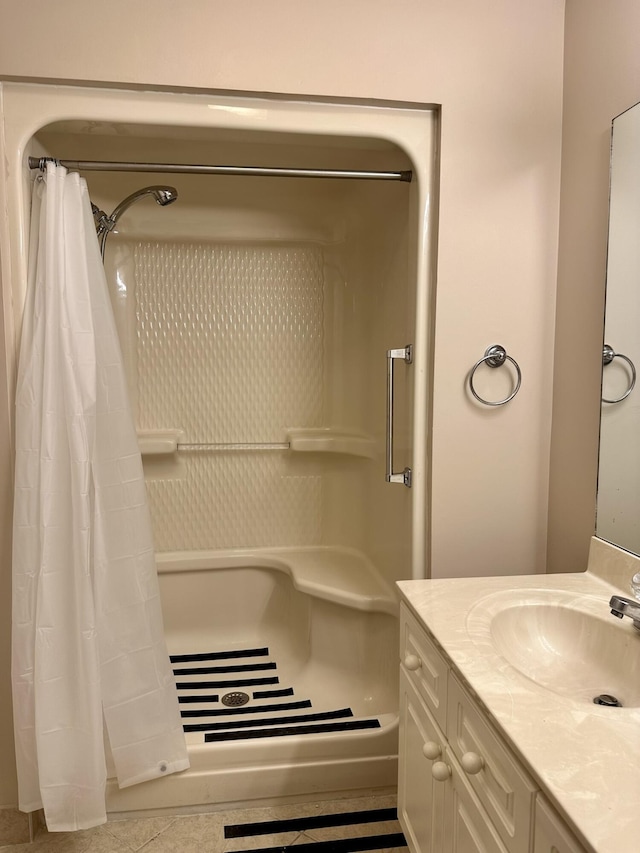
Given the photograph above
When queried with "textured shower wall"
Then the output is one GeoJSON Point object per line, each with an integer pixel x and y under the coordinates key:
{"type": "Point", "coordinates": [229, 349]}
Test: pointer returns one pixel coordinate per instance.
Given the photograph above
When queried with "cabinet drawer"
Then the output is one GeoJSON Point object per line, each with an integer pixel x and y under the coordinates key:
{"type": "Point", "coordinates": [424, 665]}
{"type": "Point", "coordinates": [504, 790]}
{"type": "Point", "coordinates": [551, 833]}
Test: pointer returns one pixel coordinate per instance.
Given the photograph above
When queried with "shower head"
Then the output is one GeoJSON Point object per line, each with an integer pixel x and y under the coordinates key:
{"type": "Point", "coordinates": [105, 224]}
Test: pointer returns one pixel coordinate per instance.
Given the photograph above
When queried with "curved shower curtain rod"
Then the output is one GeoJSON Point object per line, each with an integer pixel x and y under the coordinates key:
{"type": "Point", "coordinates": [255, 171]}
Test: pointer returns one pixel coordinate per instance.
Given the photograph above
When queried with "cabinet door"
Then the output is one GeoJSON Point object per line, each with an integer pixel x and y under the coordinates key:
{"type": "Point", "coordinates": [420, 797]}
{"type": "Point", "coordinates": [551, 834]}
{"type": "Point", "coordinates": [496, 777]}
{"type": "Point", "coordinates": [467, 828]}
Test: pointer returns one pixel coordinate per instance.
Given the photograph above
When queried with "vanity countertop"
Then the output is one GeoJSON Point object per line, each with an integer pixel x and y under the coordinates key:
{"type": "Point", "coordinates": [586, 758]}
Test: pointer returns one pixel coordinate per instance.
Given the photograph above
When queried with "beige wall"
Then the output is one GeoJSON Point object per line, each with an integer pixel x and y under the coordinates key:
{"type": "Point", "coordinates": [496, 68]}
{"type": "Point", "coordinates": [602, 78]}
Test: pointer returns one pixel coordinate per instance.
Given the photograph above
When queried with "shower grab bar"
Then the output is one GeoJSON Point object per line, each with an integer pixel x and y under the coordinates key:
{"type": "Point", "coordinates": [247, 445]}
{"type": "Point", "coordinates": [190, 169]}
{"type": "Point", "coordinates": [404, 477]}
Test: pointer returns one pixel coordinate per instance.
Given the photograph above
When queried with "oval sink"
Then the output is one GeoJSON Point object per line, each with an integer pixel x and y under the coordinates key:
{"type": "Point", "coordinates": [570, 651]}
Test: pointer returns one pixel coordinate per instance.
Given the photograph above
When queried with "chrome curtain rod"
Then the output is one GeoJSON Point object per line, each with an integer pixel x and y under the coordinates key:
{"type": "Point", "coordinates": [256, 171]}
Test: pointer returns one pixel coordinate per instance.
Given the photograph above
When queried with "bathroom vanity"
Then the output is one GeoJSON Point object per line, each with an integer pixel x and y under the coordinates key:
{"type": "Point", "coordinates": [502, 748]}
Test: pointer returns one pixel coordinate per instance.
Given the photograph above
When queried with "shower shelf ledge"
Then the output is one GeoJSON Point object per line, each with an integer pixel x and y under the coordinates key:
{"type": "Point", "coordinates": [154, 442]}
{"type": "Point", "coordinates": [331, 440]}
{"type": "Point", "coordinates": [340, 575]}
{"type": "Point", "coordinates": [320, 440]}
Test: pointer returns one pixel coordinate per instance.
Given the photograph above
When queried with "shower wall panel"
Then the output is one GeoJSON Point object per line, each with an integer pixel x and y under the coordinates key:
{"type": "Point", "coordinates": [235, 342]}
{"type": "Point", "coordinates": [230, 342]}
{"type": "Point", "coordinates": [229, 350]}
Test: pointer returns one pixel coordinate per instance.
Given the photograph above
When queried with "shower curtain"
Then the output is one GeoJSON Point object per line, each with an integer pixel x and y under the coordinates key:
{"type": "Point", "coordinates": [89, 661]}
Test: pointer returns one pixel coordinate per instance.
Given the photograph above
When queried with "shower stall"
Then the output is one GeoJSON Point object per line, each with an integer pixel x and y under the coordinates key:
{"type": "Point", "coordinates": [275, 323]}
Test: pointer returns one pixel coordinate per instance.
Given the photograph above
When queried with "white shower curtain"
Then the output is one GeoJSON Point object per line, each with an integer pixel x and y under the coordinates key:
{"type": "Point", "coordinates": [89, 654]}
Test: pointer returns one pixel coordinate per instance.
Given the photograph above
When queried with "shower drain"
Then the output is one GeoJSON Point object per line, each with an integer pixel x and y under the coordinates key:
{"type": "Point", "coordinates": [235, 698]}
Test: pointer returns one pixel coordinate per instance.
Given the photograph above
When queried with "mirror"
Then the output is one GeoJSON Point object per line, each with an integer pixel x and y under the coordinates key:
{"type": "Point", "coordinates": [618, 505]}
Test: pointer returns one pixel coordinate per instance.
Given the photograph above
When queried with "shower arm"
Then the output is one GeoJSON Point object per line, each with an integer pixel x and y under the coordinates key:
{"type": "Point", "coordinates": [163, 195]}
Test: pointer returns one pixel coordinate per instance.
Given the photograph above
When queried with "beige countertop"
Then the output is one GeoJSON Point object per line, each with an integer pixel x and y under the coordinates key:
{"type": "Point", "coordinates": [585, 757]}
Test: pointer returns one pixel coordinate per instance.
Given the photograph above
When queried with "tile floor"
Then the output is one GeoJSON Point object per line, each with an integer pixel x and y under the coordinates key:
{"type": "Point", "coordinates": [205, 833]}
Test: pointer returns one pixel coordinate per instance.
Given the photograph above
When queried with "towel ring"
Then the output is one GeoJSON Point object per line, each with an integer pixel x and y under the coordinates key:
{"type": "Point", "coordinates": [608, 354]}
{"type": "Point", "coordinates": [495, 356]}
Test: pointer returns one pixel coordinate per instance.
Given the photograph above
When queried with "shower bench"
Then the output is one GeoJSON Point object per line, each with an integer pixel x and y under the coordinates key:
{"type": "Point", "coordinates": [340, 575]}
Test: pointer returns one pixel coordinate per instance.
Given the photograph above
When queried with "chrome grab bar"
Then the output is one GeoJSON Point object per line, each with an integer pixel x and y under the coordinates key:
{"type": "Point", "coordinates": [406, 354]}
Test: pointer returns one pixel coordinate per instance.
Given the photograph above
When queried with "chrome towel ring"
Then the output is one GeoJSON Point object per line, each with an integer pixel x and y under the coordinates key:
{"type": "Point", "coordinates": [495, 356]}
{"type": "Point", "coordinates": [608, 354]}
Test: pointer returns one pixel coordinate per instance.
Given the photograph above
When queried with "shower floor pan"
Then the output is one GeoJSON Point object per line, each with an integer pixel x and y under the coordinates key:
{"type": "Point", "coordinates": [286, 667]}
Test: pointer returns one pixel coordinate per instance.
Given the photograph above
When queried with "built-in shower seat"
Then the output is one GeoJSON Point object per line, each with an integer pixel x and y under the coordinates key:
{"type": "Point", "coordinates": [340, 575]}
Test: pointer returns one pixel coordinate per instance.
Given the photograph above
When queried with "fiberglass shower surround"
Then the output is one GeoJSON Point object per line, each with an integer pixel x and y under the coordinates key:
{"type": "Point", "coordinates": [255, 317]}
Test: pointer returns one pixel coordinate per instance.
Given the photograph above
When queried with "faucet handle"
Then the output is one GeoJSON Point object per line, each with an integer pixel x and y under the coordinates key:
{"type": "Point", "coordinates": [635, 585]}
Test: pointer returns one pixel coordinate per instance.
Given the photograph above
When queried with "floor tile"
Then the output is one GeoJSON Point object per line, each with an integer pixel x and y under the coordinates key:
{"type": "Point", "coordinates": [14, 827]}
{"type": "Point", "coordinates": [310, 835]}
{"type": "Point", "coordinates": [86, 841]}
{"type": "Point", "coordinates": [303, 838]}
{"type": "Point", "coordinates": [136, 833]}
{"type": "Point", "coordinates": [192, 834]}
{"type": "Point", "coordinates": [253, 842]}
{"type": "Point", "coordinates": [204, 833]}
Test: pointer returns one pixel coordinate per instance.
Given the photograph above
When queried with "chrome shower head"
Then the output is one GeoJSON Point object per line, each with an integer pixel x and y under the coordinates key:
{"type": "Point", "coordinates": [165, 195]}
{"type": "Point", "coordinates": [162, 194]}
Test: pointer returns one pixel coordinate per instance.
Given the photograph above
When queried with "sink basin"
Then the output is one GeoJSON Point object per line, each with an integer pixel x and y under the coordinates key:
{"type": "Point", "coordinates": [571, 646]}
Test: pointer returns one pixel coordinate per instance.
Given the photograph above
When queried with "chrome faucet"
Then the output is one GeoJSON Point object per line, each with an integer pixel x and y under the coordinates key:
{"type": "Point", "coordinates": [626, 607]}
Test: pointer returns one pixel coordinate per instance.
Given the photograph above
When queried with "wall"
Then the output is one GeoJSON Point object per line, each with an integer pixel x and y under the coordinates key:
{"type": "Point", "coordinates": [602, 78]}
{"type": "Point", "coordinates": [498, 75]}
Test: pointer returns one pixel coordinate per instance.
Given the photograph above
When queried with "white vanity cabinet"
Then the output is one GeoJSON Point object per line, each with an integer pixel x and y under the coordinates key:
{"type": "Point", "coordinates": [460, 789]}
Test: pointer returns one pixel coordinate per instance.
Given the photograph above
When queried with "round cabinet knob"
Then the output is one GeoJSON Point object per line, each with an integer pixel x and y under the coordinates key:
{"type": "Point", "coordinates": [440, 771]}
{"type": "Point", "coordinates": [412, 662]}
{"type": "Point", "coordinates": [431, 750]}
{"type": "Point", "coordinates": [472, 763]}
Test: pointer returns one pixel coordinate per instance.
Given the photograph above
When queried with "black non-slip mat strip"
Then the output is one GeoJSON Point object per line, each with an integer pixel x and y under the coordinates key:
{"type": "Point", "coordinates": [257, 694]}
{"type": "Point", "coordinates": [236, 667]}
{"type": "Point", "coordinates": [286, 731]}
{"type": "Point", "coordinates": [247, 709]}
{"type": "Point", "coordinates": [271, 694]}
{"type": "Point", "coordinates": [299, 824]}
{"type": "Point", "coordinates": [272, 721]}
{"type": "Point", "coordinates": [235, 653]}
{"type": "Point", "coordinates": [229, 685]}
{"type": "Point", "coordinates": [342, 845]}
{"type": "Point", "coordinates": [211, 697]}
